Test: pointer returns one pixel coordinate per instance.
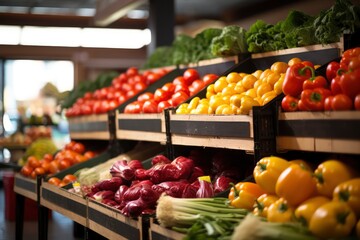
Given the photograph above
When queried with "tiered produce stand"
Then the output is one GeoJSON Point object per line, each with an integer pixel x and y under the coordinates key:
{"type": "Point", "coordinates": [265, 131]}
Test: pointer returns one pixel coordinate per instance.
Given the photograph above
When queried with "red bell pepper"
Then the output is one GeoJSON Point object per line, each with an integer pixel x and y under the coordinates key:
{"type": "Point", "coordinates": [347, 56]}
{"type": "Point", "coordinates": [289, 103]}
{"type": "Point", "coordinates": [294, 79]}
{"type": "Point", "coordinates": [314, 81]}
{"type": "Point", "coordinates": [314, 99]}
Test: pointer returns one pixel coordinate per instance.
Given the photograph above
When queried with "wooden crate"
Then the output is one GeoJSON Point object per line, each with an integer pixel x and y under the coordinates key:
{"type": "Point", "coordinates": [25, 186]}
{"type": "Point", "coordinates": [110, 223]}
{"type": "Point", "coordinates": [90, 127]}
{"type": "Point", "coordinates": [71, 205]}
{"type": "Point", "coordinates": [334, 132]}
{"type": "Point", "coordinates": [157, 232]}
{"type": "Point", "coordinates": [142, 127]}
{"type": "Point", "coordinates": [220, 131]}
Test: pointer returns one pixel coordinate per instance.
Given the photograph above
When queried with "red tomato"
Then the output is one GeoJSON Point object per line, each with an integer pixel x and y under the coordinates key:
{"type": "Point", "coordinates": [169, 87]}
{"type": "Point", "coordinates": [88, 95]}
{"type": "Point", "coordinates": [179, 97]}
{"type": "Point", "coordinates": [54, 181]}
{"type": "Point", "coordinates": [182, 88]}
{"type": "Point", "coordinates": [113, 104]}
{"type": "Point", "coordinates": [161, 95]}
{"type": "Point", "coordinates": [131, 93]}
{"type": "Point", "coordinates": [138, 107]}
{"type": "Point", "coordinates": [122, 98]}
{"type": "Point", "coordinates": [129, 108]}
{"type": "Point", "coordinates": [64, 164]}
{"type": "Point", "coordinates": [357, 102]}
{"type": "Point", "coordinates": [104, 106]}
{"type": "Point", "coordinates": [140, 86]}
{"type": "Point", "coordinates": [150, 106]}
{"type": "Point", "coordinates": [209, 78]}
{"type": "Point", "coordinates": [48, 157]}
{"type": "Point", "coordinates": [78, 147]}
{"type": "Point", "coordinates": [163, 105]}
{"type": "Point", "coordinates": [190, 75]}
{"type": "Point", "coordinates": [33, 162]}
{"type": "Point", "coordinates": [145, 96]}
{"type": "Point", "coordinates": [39, 171]}
{"type": "Point", "coordinates": [289, 103]}
{"type": "Point", "coordinates": [196, 86]}
{"type": "Point", "coordinates": [179, 80]}
{"type": "Point", "coordinates": [162, 71]}
{"type": "Point", "coordinates": [89, 154]}
{"type": "Point", "coordinates": [131, 71]}
{"type": "Point", "coordinates": [122, 77]}
{"type": "Point", "coordinates": [86, 109]}
{"type": "Point", "coordinates": [126, 87]}
{"type": "Point", "coordinates": [341, 102]}
{"type": "Point", "coordinates": [152, 77]}
{"type": "Point", "coordinates": [350, 84]}
{"type": "Point", "coordinates": [96, 108]}
{"type": "Point", "coordinates": [26, 170]}
{"type": "Point", "coordinates": [69, 178]}
{"type": "Point", "coordinates": [327, 103]}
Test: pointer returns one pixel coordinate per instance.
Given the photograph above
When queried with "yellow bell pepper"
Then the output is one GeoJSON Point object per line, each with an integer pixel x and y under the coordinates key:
{"type": "Point", "coordinates": [267, 171]}
{"type": "Point", "coordinates": [280, 211]}
{"type": "Point", "coordinates": [329, 174]}
{"type": "Point", "coordinates": [349, 192]}
{"type": "Point", "coordinates": [295, 184]}
{"type": "Point", "coordinates": [244, 194]}
{"type": "Point", "coordinates": [332, 220]}
{"type": "Point", "coordinates": [263, 203]}
{"type": "Point", "coordinates": [305, 210]}
{"type": "Point", "coordinates": [302, 163]}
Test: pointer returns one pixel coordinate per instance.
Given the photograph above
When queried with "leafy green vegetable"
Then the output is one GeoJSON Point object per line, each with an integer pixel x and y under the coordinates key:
{"type": "Point", "coordinates": [162, 56]}
{"type": "Point", "coordinates": [342, 17]}
{"type": "Point", "coordinates": [230, 42]}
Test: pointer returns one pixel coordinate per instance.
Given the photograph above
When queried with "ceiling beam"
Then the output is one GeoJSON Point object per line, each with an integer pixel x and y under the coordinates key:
{"type": "Point", "coordinates": [65, 21]}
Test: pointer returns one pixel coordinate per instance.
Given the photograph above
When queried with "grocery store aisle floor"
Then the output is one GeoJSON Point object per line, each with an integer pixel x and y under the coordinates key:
{"type": "Point", "coordinates": [60, 227]}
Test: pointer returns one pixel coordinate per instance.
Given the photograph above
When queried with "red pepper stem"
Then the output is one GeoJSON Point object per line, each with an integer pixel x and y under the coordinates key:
{"type": "Point", "coordinates": [302, 72]}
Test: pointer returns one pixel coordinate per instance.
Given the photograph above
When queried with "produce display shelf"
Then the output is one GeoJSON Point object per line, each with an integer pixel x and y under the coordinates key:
{"type": "Point", "coordinates": [111, 224]}
{"type": "Point", "coordinates": [157, 232]}
{"type": "Point", "coordinates": [90, 127]}
{"type": "Point", "coordinates": [71, 205]}
{"type": "Point", "coordinates": [225, 131]}
{"type": "Point", "coordinates": [25, 186]}
{"type": "Point", "coordinates": [332, 132]}
{"type": "Point", "coordinates": [142, 127]}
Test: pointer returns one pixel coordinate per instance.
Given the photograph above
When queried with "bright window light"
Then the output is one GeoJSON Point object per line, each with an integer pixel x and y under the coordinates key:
{"type": "Point", "coordinates": [75, 37]}
{"type": "Point", "coordinates": [50, 36]}
{"type": "Point", "coordinates": [114, 38]}
{"type": "Point", "coordinates": [10, 35]}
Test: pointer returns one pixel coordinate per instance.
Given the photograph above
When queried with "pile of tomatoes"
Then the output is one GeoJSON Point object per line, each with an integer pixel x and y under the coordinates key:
{"type": "Point", "coordinates": [122, 88]}
{"type": "Point", "coordinates": [72, 153]}
{"type": "Point", "coordinates": [68, 178]}
{"type": "Point", "coordinates": [171, 94]}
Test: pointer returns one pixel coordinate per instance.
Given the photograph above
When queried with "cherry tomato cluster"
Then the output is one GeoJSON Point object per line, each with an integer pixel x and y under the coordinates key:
{"type": "Point", "coordinates": [338, 91]}
{"type": "Point", "coordinates": [123, 87]}
{"type": "Point", "coordinates": [171, 94]}
{"type": "Point", "coordinates": [72, 153]}
{"type": "Point", "coordinates": [69, 178]}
